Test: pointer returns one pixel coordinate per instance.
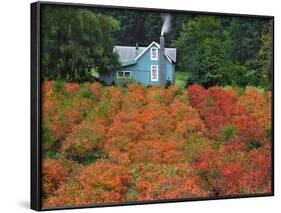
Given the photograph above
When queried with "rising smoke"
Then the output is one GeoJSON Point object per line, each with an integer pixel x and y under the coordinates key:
{"type": "Point", "coordinates": [166, 24]}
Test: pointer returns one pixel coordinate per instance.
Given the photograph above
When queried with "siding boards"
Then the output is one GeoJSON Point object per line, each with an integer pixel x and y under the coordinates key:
{"type": "Point", "coordinates": [141, 71]}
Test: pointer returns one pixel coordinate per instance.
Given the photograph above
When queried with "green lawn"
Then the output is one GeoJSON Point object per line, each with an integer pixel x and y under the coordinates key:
{"type": "Point", "coordinates": [95, 73]}
{"type": "Point", "coordinates": [181, 78]}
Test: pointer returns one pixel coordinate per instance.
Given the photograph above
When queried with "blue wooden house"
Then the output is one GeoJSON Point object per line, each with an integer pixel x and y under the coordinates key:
{"type": "Point", "coordinates": [151, 65]}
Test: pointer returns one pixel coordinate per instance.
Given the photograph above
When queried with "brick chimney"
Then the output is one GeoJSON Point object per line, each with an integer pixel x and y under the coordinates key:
{"type": "Point", "coordinates": [162, 73]}
{"type": "Point", "coordinates": [137, 49]}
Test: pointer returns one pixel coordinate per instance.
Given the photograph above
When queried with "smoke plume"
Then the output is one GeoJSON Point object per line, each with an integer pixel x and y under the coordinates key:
{"type": "Point", "coordinates": [166, 24]}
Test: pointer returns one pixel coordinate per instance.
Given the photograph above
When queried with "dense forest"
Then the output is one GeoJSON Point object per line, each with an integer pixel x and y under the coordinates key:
{"type": "Point", "coordinates": [215, 50]}
{"type": "Point", "coordinates": [226, 51]}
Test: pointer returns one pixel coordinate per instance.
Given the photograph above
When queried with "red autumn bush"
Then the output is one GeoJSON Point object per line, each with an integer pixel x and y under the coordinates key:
{"type": "Point", "coordinates": [158, 151]}
{"type": "Point", "coordinates": [61, 124]}
{"type": "Point", "coordinates": [258, 105]}
{"type": "Point", "coordinates": [53, 175]}
{"type": "Point", "coordinates": [259, 178]}
{"type": "Point", "coordinates": [186, 119]}
{"type": "Point", "coordinates": [110, 144]}
{"type": "Point", "coordinates": [55, 172]}
{"type": "Point", "coordinates": [84, 142]}
{"type": "Point", "coordinates": [215, 105]}
{"type": "Point", "coordinates": [135, 96]}
{"type": "Point", "coordinates": [48, 88]}
{"type": "Point", "coordinates": [156, 181]}
{"type": "Point", "coordinates": [109, 181]}
{"type": "Point", "coordinates": [72, 88]}
{"type": "Point", "coordinates": [96, 89]}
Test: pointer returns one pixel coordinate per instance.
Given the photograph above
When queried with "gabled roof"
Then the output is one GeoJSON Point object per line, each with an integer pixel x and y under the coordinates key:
{"type": "Point", "coordinates": [127, 54]}
{"type": "Point", "coordinates": [128, 63]}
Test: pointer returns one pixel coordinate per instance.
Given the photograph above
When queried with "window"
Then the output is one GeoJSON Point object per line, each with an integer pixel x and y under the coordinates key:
{"type": "Point", "coordinates": [119, 74]}
{"type": "Point", "coordinates": [123, 74]}
{"type": "Point", "coordinates": [127, 74]}
{"type": "Point", "coordinates": [154, 53]}
{"type": "Point", "coordinates": [154, 72]}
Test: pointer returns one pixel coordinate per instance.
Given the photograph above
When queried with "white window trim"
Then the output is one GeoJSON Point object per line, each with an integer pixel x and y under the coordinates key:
{"type": "Point", "coordinates": [151, 76]}
{"type": "Point", "coordinates": [123, 74]}
{"type": "Point", "coordinates": [148, 48]}
{"type": "Point", "coordinates": [151, 55]}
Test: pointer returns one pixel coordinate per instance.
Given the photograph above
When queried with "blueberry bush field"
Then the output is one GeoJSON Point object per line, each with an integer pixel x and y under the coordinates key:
{"type": "Point", "coordinates": [111, 144]}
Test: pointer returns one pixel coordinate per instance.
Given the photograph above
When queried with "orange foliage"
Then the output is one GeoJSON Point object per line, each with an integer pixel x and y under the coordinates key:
{"type": "Point", "coordinates": [85, 140]}
{"type": "Point", "coordinates": [55, 173]}
{"type": "Point", "coordinates": [72, 88]}
{"type": "Point", "coordinates": [96, 90]}
{"type": "Point", "coordinates": [110, 182]}
{"type": "Point", "coordinates": [215, 105]}
{"type": "Point", "coordinates": [155, 181]}
{"type": "Point", "coordinates": [115, 145]}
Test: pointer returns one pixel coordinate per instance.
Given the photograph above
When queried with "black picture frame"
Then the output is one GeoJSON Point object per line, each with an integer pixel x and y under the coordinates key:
{"type": "Point", "coordinates": [36, 151]}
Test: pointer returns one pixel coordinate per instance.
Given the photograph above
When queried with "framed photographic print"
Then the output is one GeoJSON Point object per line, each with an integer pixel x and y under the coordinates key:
{"type": "Point", "coordinates": [140, 105]}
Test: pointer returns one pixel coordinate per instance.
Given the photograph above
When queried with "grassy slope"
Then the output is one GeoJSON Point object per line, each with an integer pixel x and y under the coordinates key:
{"type": "Point", "coordinates": [181, 78]}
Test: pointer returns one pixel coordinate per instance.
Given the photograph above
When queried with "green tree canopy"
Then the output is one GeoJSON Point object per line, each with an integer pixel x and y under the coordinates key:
{"type": "Point", "coordinates": [74, 41]}
{"type": "Point", "coordinates": [223, 50]}
{"type": "Point", "coordinates": [265, 60]}
{"type": "Point", "coordinates": [203, 46]}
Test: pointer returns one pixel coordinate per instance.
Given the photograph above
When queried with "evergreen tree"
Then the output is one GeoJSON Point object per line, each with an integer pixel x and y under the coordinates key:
{"type": "Point", "coordinates": [74, 41]}
{"type": "Point", "coordinates": [266, 57]}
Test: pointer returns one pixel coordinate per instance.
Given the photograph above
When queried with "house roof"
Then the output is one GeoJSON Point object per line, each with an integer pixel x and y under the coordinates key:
{"type": "Point", "coordinates": [127, 54]}
{"type": "Point", "coordinates": [128, 63]}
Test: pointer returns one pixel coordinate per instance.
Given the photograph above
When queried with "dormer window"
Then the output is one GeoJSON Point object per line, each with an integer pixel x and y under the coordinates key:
{"type": "Point", "coordinates": [154, 53]}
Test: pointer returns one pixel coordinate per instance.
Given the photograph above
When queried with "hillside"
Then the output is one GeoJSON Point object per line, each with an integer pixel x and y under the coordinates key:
{"type": "Point", "coordinates": [110, 144]}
